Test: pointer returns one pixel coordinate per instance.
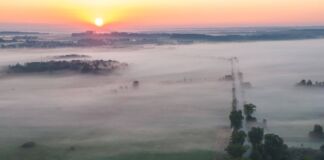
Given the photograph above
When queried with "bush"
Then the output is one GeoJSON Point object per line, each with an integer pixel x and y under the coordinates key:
{"type": "Point", "coordinates": [28, 145]}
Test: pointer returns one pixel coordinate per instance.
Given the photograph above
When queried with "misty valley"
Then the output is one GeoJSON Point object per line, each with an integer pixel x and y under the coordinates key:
{"type": "Point", "coordinates": [170, 101]}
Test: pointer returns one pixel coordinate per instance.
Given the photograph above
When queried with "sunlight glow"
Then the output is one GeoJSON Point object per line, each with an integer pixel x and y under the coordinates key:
{"type": "Point", "coordinates": [131, 14]}
{"type": "Point", "coordinates": [99, 22]}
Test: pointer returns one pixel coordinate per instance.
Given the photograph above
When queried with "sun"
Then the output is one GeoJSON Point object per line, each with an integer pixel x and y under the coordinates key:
{"type": "Point", "coordinates": [99, 22]}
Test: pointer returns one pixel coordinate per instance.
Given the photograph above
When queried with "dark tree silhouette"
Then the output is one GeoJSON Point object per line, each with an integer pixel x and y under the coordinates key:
{"type": "Point", "coordinates": [82, 66]}
{"type": "Point", "coordinates": [317, 132]}
{"type": "Point", "coordinates": [236, 118]}
{"type": "Point", "coordinates": [249, 109]}
{"type": "Point", "coordinates": [309, 83]}
{"type": "Point", "coordinates": [236, 150]}
{"type": "Point", "coordinates": [302, 83]}
{"type": "Point", "coordinates": [274, 148]}
{"type": "Point", "coordinates": [318, 129]}
{"type": "Point", "coordinates": [238, 137]}
{"type": "Point", "coordinates": [322, 148]}
{"type": "Point", "coordinates": [256, 136]}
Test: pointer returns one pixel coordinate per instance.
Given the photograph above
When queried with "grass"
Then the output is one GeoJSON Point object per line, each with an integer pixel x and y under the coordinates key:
{"type": "Point", "coordinates": [49, 153]}
{"type": "Point", "coordinates": [188, 155]}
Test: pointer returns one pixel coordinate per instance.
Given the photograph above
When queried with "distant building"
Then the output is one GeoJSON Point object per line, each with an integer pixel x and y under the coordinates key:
{"type": "Point", "coordinates": [84, 34]}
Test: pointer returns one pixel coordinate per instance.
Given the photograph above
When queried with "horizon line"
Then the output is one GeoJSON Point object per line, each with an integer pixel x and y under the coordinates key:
{"type": "Point", "coordinates": [61, 29]}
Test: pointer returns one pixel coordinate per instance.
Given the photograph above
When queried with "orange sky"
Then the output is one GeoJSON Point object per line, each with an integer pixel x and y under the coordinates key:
{"type": "Point", "coordinates": [127, 14]}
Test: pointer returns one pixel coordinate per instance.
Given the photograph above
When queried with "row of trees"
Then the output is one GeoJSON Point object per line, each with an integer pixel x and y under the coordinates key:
{"type": "Point", "coordinates": [305, 83]}
{"type": "Point", "coordinates": [268, 146]}
{"type": "Point", "coordinates": [83, 66]}
{"type": "Point", "coordinates": [310, 83]}
{"type": "Point", "coordinates": [236, 147]}
{"type": "Point", "coordinates": [264, 147]}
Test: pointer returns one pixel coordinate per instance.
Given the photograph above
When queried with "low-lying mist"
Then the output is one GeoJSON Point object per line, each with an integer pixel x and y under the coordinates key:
{"type": "Point", "coordinates": [179, 105]}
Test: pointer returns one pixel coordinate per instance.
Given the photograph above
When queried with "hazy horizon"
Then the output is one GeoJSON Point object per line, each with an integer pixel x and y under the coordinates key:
{"type": "Point", "coordinates": [45, 28]}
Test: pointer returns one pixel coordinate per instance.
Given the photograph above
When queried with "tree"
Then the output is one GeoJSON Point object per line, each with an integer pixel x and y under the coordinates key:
{"type": "Point", "coordinates": [236, 150]}
{"type": "Point", "coordinates": [236, 118]}
{"type": "Point", "coordinates": [318, 129]}
{"type": "Point", "coordinates": [302, 83]}
{"type": "Point", "coordinates": [321, 154]}
{"type": "Point", "coordinates": [249, 109]}
{"type": "Point", "coordinates": [234, 104]}
{"type": "Point", "coordinates": [256, 136]}
{"type": "Point", "coordinates": [322, 148]}
{"type": "Point", "coordinates": [238, 137]}
{"type": "Point", "coordinates": [274, 148]}
{"type": "Point", "coordinates": [317, 132]}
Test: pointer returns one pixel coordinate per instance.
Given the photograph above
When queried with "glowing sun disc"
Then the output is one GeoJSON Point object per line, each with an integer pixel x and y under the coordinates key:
{"type": "Point", "coordinates": [99, 22]}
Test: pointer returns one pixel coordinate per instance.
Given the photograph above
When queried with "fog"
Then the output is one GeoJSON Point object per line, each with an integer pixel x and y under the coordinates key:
{"type": "Point", "coordinates": [180, 104]}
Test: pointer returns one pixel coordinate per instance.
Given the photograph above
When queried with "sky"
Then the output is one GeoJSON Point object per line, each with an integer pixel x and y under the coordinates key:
{"type": "Point", "coordinates": [149, 14]}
